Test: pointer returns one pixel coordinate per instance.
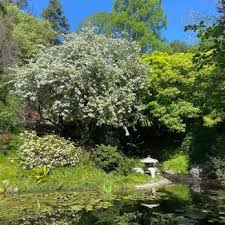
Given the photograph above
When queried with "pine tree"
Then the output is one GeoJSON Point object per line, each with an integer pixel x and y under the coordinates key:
{"type": "Point", "coordinates": [22, 4]}
{"type": "Point", "coordinates": [55, 15]}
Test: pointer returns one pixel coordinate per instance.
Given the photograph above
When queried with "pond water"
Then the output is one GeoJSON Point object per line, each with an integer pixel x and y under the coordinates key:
{"type": "Point", "coordinates": [174, 204]}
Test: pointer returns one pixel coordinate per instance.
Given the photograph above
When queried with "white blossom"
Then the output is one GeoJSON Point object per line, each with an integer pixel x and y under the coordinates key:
{"type": "Point", "coordinates": [89, 77]}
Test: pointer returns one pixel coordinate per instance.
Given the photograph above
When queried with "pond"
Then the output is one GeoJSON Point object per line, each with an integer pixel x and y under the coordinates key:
{"type": "Point", "coordinates": [174, 204]}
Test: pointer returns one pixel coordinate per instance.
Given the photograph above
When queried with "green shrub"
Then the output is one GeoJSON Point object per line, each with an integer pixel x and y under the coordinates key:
{"type": "Point", "coordinates": [177, 163]}
{"type": "Point", "coordinates": [219, 166]}
{"type": "Point", "coordinates": [126, 166]}
{"type": "Point", "coordinates": [5, 139]}
{"type": "Point", "coordinates": [9, 142]}
{"type": "Point", "coordinates": [9, 109]}
{"type": "Point", "coordinates": [50, 150]}
{"type": "Point", "coordinates": [202, 141]}
{"type": "Point", "coordinates": [186, 144]}
{"type": "Point", "coordinates": [14, 143]}
{"type": "Point", "coordinates": [107, 158]}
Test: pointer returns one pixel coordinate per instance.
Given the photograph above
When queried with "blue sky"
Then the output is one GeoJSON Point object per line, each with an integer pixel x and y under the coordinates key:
{"type": "Point", "coordinates": [178, 13]}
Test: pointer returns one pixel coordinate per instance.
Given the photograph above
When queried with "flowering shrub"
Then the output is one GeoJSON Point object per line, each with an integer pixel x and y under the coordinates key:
{"type": "Point", "coordinates": [90, 78]}
{"type": "Point", "coordinates": [50, 151]}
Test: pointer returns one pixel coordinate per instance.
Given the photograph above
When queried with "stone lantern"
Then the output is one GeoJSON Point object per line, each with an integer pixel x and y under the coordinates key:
{"type": "Point", "coordinates": [150, 165]}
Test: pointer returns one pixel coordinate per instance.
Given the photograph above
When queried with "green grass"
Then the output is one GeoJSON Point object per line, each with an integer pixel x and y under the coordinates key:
{"type": "Point", "coordinates": [178, 163]}
{"type": "Point", "coordinates": [84, 177]}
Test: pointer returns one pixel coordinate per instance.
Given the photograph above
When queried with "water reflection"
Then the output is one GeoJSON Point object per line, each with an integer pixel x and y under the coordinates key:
{"type": "Point", "coordinates": [175, 204]}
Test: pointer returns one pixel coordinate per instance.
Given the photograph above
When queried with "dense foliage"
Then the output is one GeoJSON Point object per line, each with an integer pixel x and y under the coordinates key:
{"type": "Point", "coordinates": [179, 47]}
{"type": "Point", "coordinates": [7, 44]}
{"type": "Point", "coordinates": [9, 109]}
{"type": "Point", "coordinates": [107, 158]}
{"type": "Point", "coordinates": [134, 20]}
{"type": "Point", "coordinates": [209, 90]}
{"type": "Point", "coordinates": [50, 151]}
{"type": "Point", "coordinates": [177, 163]}
{"type": "Point", "coordinates": [171, 83]}
{"type": "Point", "coordinates": [90, 80]}
{"type": "Point", "coordinates": [211, 52]}
{"type": "Point", "coordinates": [21, 37]}
{"type": "Point", "coordinates": [219, 166]}
{"type": "Point", "coordinates": [21, 4]}
{"type": "Point", "coordinates": [55, 15]}
{"type": "Point", "coordinates": [29, 32]}
{"type": "Point", "coordinates": [97, 85]}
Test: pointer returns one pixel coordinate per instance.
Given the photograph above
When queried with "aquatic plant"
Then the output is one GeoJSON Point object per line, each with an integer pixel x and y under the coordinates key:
{"type": "Point", "coordinates": [41, 173]}
{"type": "Point", "coordinates": [107, 187]}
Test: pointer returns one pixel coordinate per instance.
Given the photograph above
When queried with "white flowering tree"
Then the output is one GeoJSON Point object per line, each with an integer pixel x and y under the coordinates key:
{"type": "Point", "coordinates": [90, 79]}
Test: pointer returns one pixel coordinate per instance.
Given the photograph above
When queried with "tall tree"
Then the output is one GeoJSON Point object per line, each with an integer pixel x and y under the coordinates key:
{"type": "Point", "coordinates": [7, 44]}
{"type": "Point", "coordinates": [212, 52]}
{"type": "Point", "coordinates": [136, 20]}
{"type": "Point", "coordinates": [29, 32]}
{"type": "Point", "coordinates": [89, 80]}
{"type": "Point", "coordinates": [55, 15]}
{"type": "Point", "coordinates": [170, 83]}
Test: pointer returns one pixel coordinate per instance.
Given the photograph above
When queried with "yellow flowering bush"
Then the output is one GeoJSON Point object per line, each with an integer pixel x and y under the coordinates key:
{"type": "Point", "coordinates": [50, 151]}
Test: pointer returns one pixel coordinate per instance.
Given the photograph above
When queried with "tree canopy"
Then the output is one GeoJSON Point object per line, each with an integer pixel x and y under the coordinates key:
{"type": "Point", "coordinates": [29, 32]}
{"type": "Point", "coordinates": [179, 47]}
{"type": "Point", "coordinates": [136, 20]}
{"type": "Point", "coordinates": [7, 44]}
{"type": "Point", "coordinates": [21, 4]}
{"type": "Point", "coordinates": [20, 38]}
{"type": "Point", "coordinates": [170, 83]}
{"type": "Point", "coordinates": [90, 79]}
{"type": "Point", "coordinates": [211, 54]}
{"type": "Point", "coordinates": [55, 15]}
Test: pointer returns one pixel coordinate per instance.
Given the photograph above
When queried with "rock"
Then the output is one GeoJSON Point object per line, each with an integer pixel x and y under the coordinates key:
{"type": "Point", "coordinates": [153, 184]}
{"type": "Point", "coordinates": [170, 172]}
{"type": "Point", "coordinates": [196, 188]}
{"type": "Point", "coordinates": [195, 172]}
{"type": "Point", "coordinates": [202, 170]}
{"type": "Point", "coordinates": [139, 170]}
{"type": "Point", "coordinates": [180, 178]}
